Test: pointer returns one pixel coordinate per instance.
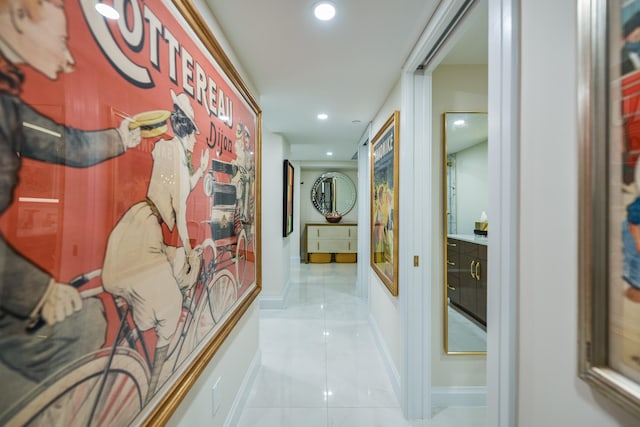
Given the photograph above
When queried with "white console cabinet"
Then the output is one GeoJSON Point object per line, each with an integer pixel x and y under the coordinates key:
{"type": "Point", "coordinates": [331, 239]}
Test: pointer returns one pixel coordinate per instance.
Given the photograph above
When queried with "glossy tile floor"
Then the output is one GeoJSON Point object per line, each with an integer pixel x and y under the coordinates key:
{"type": "Point", "coordinates": [320, 363]}
{"type": "Point", "coordinates": [465, 334]}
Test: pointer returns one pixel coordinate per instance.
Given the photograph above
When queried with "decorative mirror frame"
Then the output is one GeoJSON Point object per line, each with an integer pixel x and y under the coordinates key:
{"type": "Point", "coordinates": [323, 177]}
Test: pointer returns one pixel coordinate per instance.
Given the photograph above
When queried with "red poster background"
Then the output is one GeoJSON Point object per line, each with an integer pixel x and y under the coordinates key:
{"type": "Point", "coordinates": [91, 200]}
{"type": "Point", "coordinates": [68, 237]}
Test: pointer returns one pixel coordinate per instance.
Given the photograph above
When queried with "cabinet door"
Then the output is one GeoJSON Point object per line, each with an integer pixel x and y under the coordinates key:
{"type": "Point", "coordinates": [312, 245]}
{"type": "Point", "coordinates": [352, 232]}
{"type": "Point", "coordinates": [453, 271]}
{"type": "Point", "coordinates": [467, 253]}
{"type": "Point", "coordinates": [481, 275]}
{"type": "Point", "coordinates": [313, 232]}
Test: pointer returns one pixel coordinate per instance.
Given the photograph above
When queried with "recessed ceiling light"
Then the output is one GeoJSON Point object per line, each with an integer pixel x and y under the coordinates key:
{"type": "Point", "coordinates": [324, 11]}
{"type": "Point", "coordinates": [107, 11]}
{"type": "Point", "coordinates": [329, 153]}
{"type": "Point", "coordinates": [322, 116]}
{"type": "Point", "coordinates": [356, 121]}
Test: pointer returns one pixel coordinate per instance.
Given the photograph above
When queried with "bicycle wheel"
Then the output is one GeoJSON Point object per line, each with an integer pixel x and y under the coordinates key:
{"type": "Point", "coordinates": [68, 397]}
{"type": "Point", "coordinates": [241, 258]}
{"type": "Point", "coordinates": [220, 295]}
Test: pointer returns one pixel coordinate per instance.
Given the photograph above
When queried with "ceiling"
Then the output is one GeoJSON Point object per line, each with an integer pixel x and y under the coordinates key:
{"type": "Point", "coordinates": [345, 68]}
{"type": "Point", "coordinates": [464, 130]}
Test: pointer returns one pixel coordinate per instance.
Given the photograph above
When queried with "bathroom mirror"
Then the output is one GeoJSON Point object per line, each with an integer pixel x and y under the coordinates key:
{"type": "Point", "coordinates": [333, 192]}
{"type": "Point", "coordinates": [466, 234]}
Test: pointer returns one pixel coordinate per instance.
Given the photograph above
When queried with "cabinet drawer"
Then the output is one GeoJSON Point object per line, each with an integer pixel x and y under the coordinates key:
{"type": "Point", "coordinates": [331, 246]}
{"type": "Point", "coordinates": [451, 252]}
{"type": "Point", "coordinates": [332, 232]}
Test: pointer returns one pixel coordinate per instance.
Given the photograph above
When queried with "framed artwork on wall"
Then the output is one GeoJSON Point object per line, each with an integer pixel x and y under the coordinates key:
{"type": "Point", "coordinates": [609, 242]}
{"type": "Point", "coordinates": [129, 208]}
{"type": "Point", "coordinates": [288, 199]}
{"type": "Point", "coordinates": [384, 203]}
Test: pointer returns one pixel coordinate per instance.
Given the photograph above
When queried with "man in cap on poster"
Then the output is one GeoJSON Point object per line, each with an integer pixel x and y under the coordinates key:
{"type": "Point", "coordinates": [34, 33]}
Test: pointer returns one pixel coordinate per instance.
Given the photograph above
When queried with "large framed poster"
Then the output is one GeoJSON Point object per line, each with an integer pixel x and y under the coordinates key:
{"type": "Point", "coordinates": [610, 199]}
{"type": "Point", "coordinates": [384, 203]}
{"type": "Point", "coordinates": [130, 212]}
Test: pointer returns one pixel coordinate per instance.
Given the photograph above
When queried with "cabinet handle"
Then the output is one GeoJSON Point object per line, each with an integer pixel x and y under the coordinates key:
{"type": "Point", "coordinates": [451, 263]}
{"type": "Point", "coordinates": [349, 245]}
{"type": "Point", "coordinates": [473, 269]}
{"type": "Point", "coordinates": [349, 232]}
{"type": "Point", "coordinates": [318, 231]}
{"type": "Point", "coordinates": [477, 270]}
{"type": "Point", "coordinates": [451, 244]}
{"type": "Point", "coordinates": [451, 287]}
{"type": "Point", "coordinates": [318, 246]}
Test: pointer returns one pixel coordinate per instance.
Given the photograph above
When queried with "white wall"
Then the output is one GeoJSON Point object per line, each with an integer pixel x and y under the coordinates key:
{"type": "Point", "coordinates": [472, 186]}
{"type": "Point", "coordinates": [294, 238]}
{"type": "Point", "coordinates": [454, 88]}
{"type": "Point", "coordinates": [549, 391]}
{"type": "Point", "coordinates": [275, 248]}
{"type": "Point", "coordinates": [385, 308]}
{"type": "Point", "coordinates": [308, 213]}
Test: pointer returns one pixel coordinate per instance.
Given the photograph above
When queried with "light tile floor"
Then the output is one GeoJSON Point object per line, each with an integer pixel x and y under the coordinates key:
{"type": "Point", "coordinates": [320, 364]}
{"type": "Point", "coordinates": [465, 334]}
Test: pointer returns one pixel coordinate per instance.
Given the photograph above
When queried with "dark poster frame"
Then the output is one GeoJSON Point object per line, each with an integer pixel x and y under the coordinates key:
{"type": "Point", "coordinates": [287, 212]}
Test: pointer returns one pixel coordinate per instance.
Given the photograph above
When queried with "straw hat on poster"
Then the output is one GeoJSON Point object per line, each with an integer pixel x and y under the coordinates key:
{"type": "Point", "coordinates": [154, 122]}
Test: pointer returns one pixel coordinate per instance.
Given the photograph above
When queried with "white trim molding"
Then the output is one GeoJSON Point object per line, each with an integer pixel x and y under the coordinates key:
{"type": "Point", "coordinates": [437, 27]}
{"type": "Point", "coordinates": [458, 396]}
{"type": "Point", "coordinates": [364, 203]}
{"type": "Point", "coordinates": [275, 302]}
{"type": "Point", "coordinates": [502, 302]}
{"type": "Point", "coordinates": [415, 220]}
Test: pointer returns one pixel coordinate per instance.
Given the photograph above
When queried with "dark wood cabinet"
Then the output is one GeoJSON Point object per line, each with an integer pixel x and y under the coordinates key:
{"type": "Point", "coordinates": [468, 283]}
{"type": "Point", "coordinates": [467, 275]}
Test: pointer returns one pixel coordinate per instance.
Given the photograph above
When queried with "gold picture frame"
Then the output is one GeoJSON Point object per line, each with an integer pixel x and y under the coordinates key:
{"type": "Point", "coordinates": [384, 157]}
{"type": "Point", "coordinates": [609, 309]}
{"type": "Point", "coordinates": [140, 187]}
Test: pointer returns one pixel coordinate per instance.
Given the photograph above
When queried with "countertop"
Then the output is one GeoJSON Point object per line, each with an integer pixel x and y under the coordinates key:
{"type": "Point", "coordinates": [481, 240]}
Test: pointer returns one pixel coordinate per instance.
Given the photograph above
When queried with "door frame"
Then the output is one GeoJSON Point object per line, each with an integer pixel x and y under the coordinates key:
{"type": "Point", "coordinates": [417, 212]}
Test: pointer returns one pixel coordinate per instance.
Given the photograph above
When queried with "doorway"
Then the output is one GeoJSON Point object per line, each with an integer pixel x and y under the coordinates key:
{"type": "Point", "coordinates": [422, 210]}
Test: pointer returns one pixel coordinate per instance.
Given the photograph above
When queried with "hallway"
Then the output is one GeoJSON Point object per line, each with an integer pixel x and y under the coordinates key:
{"type": "Point", "coordinates": [320, 364]}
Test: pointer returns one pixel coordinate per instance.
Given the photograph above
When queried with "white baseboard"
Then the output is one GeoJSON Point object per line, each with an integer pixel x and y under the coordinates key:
{"type": "Point", "coordinates": [458, 396]}
{"type": "Point", "coordinates": [389, 366]}
{"type": "Point", "coordinates": [233, 417]}
{"type": "Point", "coordinates": [275, 302]}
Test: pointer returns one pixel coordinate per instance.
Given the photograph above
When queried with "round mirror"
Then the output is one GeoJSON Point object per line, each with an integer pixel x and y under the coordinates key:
{"type": "Point", "coordinates": [333, 192]}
